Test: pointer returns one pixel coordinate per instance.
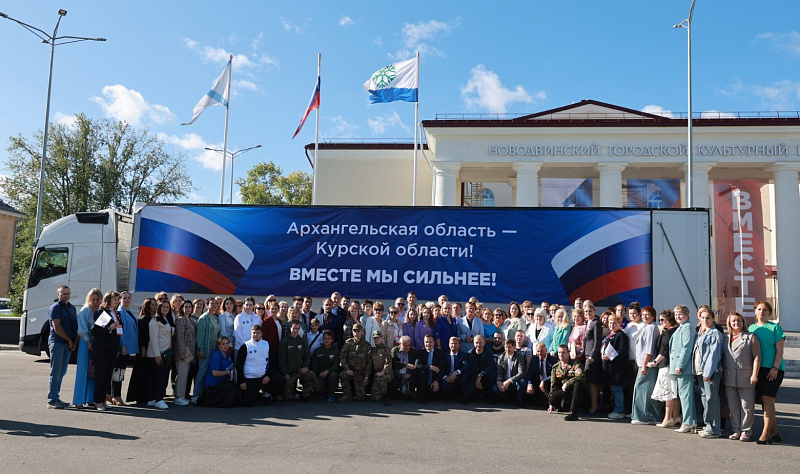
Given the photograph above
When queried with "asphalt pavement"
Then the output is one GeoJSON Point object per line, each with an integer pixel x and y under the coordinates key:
{"type": "Point", "coordinates": [353, 437]}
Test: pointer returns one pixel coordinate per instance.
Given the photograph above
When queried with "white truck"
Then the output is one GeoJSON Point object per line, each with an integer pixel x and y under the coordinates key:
{"type": "Point", "coordinates": [655, 256]}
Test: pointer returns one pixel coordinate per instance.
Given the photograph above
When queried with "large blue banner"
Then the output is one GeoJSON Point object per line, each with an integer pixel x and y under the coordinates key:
{"type": "Point", "coordinates": [496, 255]}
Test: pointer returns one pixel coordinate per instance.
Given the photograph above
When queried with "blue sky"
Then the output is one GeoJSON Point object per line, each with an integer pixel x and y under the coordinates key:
{"type": "Point", "coordinates": [477, 57]}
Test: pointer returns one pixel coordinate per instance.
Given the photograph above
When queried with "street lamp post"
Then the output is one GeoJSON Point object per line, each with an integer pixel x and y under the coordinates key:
{"type": "Point", "coordinates": [53, 41]}
{"type": "Point", "coordinates": [687, 23]}
{"type": "Point", "coordinates": [233, 155]}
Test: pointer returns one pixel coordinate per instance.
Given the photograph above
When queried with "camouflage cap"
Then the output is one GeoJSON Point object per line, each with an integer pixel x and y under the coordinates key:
{"type": "Point", "coordinates": [376, 333]}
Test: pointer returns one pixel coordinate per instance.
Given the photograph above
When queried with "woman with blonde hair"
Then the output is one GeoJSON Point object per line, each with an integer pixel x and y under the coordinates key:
{"type": "Point", "coordinates": [84, 384]}
{"type": "Point", "coordinates": [741, 360]}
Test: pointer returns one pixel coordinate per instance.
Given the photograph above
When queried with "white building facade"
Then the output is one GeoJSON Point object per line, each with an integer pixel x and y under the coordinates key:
{"type": "Point", "coordinates": [745, 171]}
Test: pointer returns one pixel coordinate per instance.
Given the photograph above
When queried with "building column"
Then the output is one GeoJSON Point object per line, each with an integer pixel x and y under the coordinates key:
{"type": "Point", "coordinates": [700, 193]}
{"type": "Point", "coordinates": [445, 176]}
{"type": "Point", "coordinates": [611, 183]}
{"type": "Point", "coordinates": [787, 229]}
{"type": "Point", "coordinates": [527, 184]}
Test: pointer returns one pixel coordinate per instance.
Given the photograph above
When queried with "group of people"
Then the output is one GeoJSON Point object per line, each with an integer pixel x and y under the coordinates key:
{"type": "Point", "coordinates": [224, 352]}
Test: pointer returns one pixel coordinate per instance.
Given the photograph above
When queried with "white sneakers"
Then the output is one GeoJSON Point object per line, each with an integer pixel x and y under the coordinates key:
{"type": "Point", "coordinates": [181, 402]}
{"type": "Point", "coordinates": [161, 405]}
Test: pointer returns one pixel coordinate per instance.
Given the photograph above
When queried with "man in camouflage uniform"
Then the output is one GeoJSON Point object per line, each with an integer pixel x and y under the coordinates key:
{"type": "Point", "coordinates": [356, 365]}
{"type": "Point", "coordinates": [382, 369]}
{"type": "Point", "coordinates": [293, 362]}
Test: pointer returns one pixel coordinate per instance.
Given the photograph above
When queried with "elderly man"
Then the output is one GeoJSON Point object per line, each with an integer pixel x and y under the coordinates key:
{"type": "Point", "coordinates": [403, 357]}
{"type": "Point", "coordinates": [356, 360]}
{"type": "Point", "coordinates": [539, 372]}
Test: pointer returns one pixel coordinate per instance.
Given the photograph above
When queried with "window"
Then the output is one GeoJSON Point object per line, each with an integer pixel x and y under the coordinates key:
{"type": "Point", "coordinates": [49, 262]}
{"type": "Point", "coordinates": [488, 197]}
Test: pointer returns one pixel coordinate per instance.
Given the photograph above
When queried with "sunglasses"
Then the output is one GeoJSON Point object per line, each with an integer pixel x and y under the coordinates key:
{"type": "Point", "coordinates": [392, 312]}
{"type": "Point", "coordinates": [261, 309]}
{"type": "Point", "coordinates": [271, 300]}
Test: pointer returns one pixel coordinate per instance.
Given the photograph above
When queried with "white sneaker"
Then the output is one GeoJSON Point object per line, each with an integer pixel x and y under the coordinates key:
{"type": "Point", "coordinates": [151, 403]}
{"type": "Point", "coordinates": [161, 405]}
{"type": "Point", "coordinates": [181, 402]}
{"type": "Point", "coordinates": [616, 416]}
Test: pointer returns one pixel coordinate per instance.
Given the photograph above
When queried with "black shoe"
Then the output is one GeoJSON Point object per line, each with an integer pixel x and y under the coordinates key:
{"type": "Point", "coordinates": [764, 441]}
{"type": "Point", "coordinates": [777, 438]}
{"type": "Point", "coordinates": [571, 417]}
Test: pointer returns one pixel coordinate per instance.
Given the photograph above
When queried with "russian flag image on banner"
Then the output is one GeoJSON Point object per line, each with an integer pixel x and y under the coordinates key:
{"type": "Point", "coordinates": [183, 250]}
{"type": "Point", "coordinates": [396, 81]}
{"type": "Point", "coordinates": [610, 264]}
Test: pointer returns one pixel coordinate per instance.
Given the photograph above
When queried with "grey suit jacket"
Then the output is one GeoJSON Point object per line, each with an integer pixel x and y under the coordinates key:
{"type": "Point", "coordinates": [517, 367]}
{"type": "Point", "coordinates": [737, 359]}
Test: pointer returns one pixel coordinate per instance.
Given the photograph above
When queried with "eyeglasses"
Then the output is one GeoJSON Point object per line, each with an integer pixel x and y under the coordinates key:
{"type": "Point", "coordinates": [401, 304]}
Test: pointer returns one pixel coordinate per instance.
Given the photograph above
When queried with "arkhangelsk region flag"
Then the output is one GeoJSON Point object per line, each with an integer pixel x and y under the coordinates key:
{"type": "Point", "coordinates": [397, 81]}
{"type": "Point", "coordinates": [218, 95]}
{"type": "Point", "coordinates": [312, 104]}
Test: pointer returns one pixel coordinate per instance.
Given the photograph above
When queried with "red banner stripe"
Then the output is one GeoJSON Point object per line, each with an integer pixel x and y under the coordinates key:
{"type": "Point", "coordinates": [180, 265]}
{"type": "Point", "coordinates": [610, 284]}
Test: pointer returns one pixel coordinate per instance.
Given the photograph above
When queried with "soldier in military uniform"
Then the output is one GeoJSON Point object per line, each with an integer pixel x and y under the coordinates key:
{"type": "Point", "coordinates": [382, 369]}
{"type": "Point", "coordinates": [356, 365]}
{"type": "Point", "coordinates": [566, 384]}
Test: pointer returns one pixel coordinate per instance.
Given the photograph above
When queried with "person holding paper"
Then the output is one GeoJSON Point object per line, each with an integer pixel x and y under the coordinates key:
{"type": "Point", "coordinates": [106, 331]}
{"type": "Point", "coordinates": [614, 352]}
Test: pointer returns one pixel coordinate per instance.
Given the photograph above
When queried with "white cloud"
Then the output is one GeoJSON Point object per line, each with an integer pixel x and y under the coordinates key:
{"type": "Point", "coordinates": [268, 60]}
{"type": "Point", "coordinates": [657, 110]}
{"type": "Point", "coordinates": [68, 121]}
{"type": "Point", "coordinates": [716, 114]}
{"type": "Point", "coordinates": [780, 95]}
{"type": "Point", "coordinates": [196, 147]}
{"type": "Point", "coordinates": [418, 37]}
{"type": "Point", "coordinates": [243, 84]}
{"type": "Point", "coordinates": [221, 56]}
{"type": "Point", "coordinates": [381, 123]}
{"type": "Point", "coordinates": [130, 106]}
{"type": "Point", "coordinates": [783, 41]}
{"type": "Point", "coordinates": [346, 21]}
{"type": "Point", "coordinates": [485, 91]}
{"type": "Point", "coordinates": [190, 43]}
{"type": "Point", "coordinates": [377, 42]}
{"type": "Point", "coordinates": [340, 128]}
{"type": "Point", "coordinates": [289, 26]}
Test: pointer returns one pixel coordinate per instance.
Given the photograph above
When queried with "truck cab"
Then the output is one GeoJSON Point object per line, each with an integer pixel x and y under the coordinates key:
{"type": "Point", "coordinates": [83, 251]}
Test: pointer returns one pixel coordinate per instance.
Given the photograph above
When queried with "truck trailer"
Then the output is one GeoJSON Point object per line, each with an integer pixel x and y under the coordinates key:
{"type": "Point", "coordinates": [658, 257]}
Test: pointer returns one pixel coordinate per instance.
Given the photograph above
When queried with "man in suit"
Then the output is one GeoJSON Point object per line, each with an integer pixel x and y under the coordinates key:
{"type": "Point", "coordinates": [510, 374]}
{"type": "Point", "coordinates": [469, 327]}
{"type": "Point", "coordinates": [483, 373]}
{"type": "Point", "coordinates": [306, 314]}
{"type": "Point", "coordinates": [331, 321]}
{"type": "Point", "coordinates": [539, 372]}
{"type": "Point", "coordinates": [430, 365]}
{"type": "Point", "coordinates": [456, 370]}
{"type": "Point", "coordinates": [405, 370]}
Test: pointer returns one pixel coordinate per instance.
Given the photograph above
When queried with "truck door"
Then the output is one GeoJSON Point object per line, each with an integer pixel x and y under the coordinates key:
{"type": "Point", "coordinates": [48, 272]}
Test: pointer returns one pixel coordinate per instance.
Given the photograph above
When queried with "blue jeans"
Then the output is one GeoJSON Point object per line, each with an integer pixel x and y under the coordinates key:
{"type": "Point", "coordinates": [709, 394]}
{"type": "Point", "coordinates": [59, 361]}
{"type": "Point", "coordinates": [200, 379]}
{"type": "Point", "coordinates": [619, 398]}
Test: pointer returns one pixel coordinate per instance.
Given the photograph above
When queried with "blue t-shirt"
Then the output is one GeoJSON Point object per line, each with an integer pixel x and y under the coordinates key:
{"type": "Point", "coordinates": [65, 313]}
{"type": "Point", "coordinates": [219, 361]}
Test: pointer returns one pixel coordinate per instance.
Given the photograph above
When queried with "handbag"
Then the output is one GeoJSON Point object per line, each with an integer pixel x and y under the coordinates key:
{"type": "Point", "coordinates": [118, 375]}
{"type": "Point", "coordinates": [91, 370]}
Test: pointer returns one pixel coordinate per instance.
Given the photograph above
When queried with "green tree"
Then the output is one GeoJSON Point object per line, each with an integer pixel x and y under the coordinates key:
{"type": "Point", "coordinates": [265, 184]}
{"type": "Point", "coordinates": [91, 165]}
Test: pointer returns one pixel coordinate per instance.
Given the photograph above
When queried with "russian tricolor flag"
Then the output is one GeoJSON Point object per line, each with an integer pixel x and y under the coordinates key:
{"type": "Point", "coordinates": [312, 104]}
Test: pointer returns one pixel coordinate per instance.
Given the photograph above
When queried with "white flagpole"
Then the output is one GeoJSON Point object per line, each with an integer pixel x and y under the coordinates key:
{"type": "Point", "coordinates": [416, 119]}
{"type": "Point", "coordinates": [316, 135]}
{"type": "Point", "coordinates": [225, 137]}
